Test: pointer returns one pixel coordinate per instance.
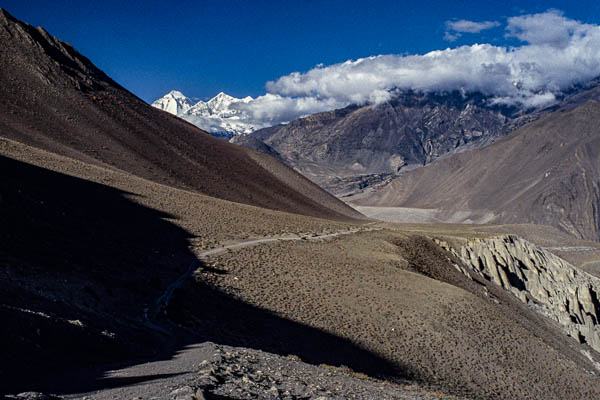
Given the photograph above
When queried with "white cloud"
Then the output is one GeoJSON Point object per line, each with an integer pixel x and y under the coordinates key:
{"type": "Point", "coordinates": [272, 109]}
{"type": "Point", "coordinates": [557, 52]}
{"type": "Point", "coordinates": [455, 29]}
{"type": "Point", "coordinates": [451, 37]}
{"type": "Point", "coordinates": [550, 28]}
{"type": "Point", "coordinates": [465, 26]}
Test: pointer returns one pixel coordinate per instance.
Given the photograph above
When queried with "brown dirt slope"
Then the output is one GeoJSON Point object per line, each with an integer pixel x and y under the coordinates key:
{"type": "Point", "coordinates": [85, 249]}
{"type": "Point", "coordinates": [396, 295]}
{"type": "Point", "coordinates": [547, 173]}
{"type": "Point", "coordinates": [55, 99]}
{"type": "Point", "coordinates": [96, 250]}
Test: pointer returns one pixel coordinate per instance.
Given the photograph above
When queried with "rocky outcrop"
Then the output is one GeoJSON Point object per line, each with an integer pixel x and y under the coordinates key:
{"type": "Point", "coordinates": [538, 278]}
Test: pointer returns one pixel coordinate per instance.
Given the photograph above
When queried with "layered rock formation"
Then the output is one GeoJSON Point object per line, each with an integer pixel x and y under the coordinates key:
{"type": "Point", "coordinates": [538, 278]}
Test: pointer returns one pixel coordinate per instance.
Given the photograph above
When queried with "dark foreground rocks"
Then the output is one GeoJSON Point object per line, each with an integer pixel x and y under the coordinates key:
{"type": "Point", "coordinates": [240, 373]}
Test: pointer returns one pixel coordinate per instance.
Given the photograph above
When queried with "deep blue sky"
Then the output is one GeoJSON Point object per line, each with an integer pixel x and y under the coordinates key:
{"type": "Point", "coordinates": [203, 47]}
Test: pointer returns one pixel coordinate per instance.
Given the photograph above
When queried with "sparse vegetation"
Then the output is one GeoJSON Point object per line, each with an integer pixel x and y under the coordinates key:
{"type": "Point", "coordinates": [446, 335]}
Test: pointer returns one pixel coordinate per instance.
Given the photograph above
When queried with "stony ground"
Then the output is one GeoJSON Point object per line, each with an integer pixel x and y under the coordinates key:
{"type": "Point", "coordinates": [211, 371]}
{"type": "Point", "coordinates": [86, 250]}
{"type": "Point", "coordinates": [581, 253]}
{"type": "Point", "coordinates": [236, 373]}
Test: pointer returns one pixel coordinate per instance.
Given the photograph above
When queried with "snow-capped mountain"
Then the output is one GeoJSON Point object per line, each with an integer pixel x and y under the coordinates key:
{"type": "Point", "coordinates": [219, 115]}
{"type": "Point", "coordinates": [174, 102]}
{"type": "Point", "coordinates": [222, 102]}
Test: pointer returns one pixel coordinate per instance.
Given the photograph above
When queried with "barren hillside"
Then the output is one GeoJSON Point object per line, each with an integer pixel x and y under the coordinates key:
{"type": "Point", "coordinates": [547, 173]}
{"type": "Point", "coordinates": [55, 99]}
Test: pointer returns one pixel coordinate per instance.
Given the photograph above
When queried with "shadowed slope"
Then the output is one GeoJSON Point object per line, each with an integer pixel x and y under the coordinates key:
{"type": "Point", "coordinates": [547, 172]}
{"type": "Point", "coordinates": [53, 98]}
{"type": "Point", "coordinates": [79, 263]}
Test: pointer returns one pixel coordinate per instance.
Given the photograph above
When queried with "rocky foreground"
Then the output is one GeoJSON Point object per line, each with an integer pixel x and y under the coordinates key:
{"type": "Point", "coordinates": [241, 373]}
{"type": "Point", "coordinates": [238, 373]}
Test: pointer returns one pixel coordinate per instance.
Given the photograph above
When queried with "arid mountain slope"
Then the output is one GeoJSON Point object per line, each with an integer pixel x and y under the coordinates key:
{"type": "Point", "coordinates": [547, 172]}
{"type": "Point", "coordinates": [53, 98]}
{"type": "Point", "coordinates": [95, 230]}
{"type": "Point", "coordinates": [84, 250]}
{"type": "Point", "coordinates": [398, 295]}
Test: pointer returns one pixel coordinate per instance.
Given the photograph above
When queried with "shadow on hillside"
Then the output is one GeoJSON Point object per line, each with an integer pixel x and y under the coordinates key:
{"type": "Point", "coordinates": [223, 319]}
{"type": "Point", "coordinates": [79, 262]}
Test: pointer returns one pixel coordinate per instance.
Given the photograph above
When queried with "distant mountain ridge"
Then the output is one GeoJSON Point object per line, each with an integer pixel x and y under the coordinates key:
{"type": "Point", "coordinates": [174, 102]}
{"type": "Point", "coordinates": [219, 116]}
{"type": "Point", "coordinates": [411, 130]}
{"type": "Point", "coordinates": [348, 149]}
{"type": "Point", "coordinates": [547, 172]}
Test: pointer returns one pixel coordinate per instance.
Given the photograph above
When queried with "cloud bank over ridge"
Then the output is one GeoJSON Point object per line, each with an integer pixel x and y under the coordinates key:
{"type": "Point", "coordinates": [555, 53]}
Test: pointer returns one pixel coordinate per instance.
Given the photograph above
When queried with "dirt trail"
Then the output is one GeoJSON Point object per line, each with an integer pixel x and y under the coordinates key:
{"type": "Point", "coordinates": [163, 301]}
{"type": "Point", "coordinates": [160, 378]}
